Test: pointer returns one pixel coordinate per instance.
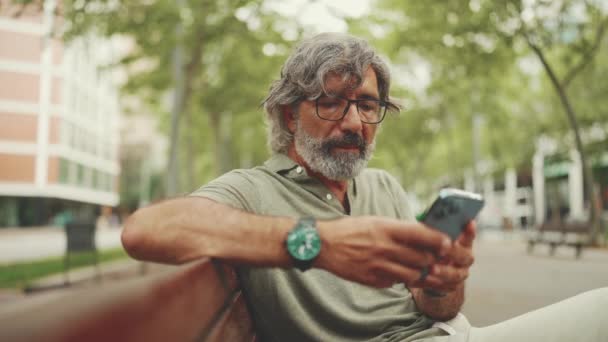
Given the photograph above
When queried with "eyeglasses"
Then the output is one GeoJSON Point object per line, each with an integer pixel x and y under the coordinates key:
{"type": "Point", "coordinates": [334, 108]}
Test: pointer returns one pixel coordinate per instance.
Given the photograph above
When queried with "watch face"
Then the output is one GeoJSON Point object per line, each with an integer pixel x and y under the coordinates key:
{"type": "Point", "coordinates": [304, 244]}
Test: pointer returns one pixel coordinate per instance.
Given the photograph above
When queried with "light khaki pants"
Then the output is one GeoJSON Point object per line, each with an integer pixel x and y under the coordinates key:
{"type": "Point", "coordinates": [583, 318]}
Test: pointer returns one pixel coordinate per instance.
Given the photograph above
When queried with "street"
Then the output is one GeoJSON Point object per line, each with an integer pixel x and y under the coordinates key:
{"type": "Point", "coordinates": [505, 282]}
{"type": "Point", "coordinates": [22, 244]}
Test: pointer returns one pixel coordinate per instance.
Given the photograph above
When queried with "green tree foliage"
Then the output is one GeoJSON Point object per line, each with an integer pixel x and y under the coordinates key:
{"type": "Point", "coordinates": [481, 59]}
{"type": "Point", "coordinates": [226, 71]}
{"type": "Point", "coordinates": [478, 55]}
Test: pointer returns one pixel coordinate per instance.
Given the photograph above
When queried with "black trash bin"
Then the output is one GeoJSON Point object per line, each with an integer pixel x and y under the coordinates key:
{"type": "Point", "coordinates": [80, 237]}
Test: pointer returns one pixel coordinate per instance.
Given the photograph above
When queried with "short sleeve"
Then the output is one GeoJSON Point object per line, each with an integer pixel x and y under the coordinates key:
{"type": "Point", "coordinates": [400, 198]}
{"type": "Point", "coordinates": [236, 189]}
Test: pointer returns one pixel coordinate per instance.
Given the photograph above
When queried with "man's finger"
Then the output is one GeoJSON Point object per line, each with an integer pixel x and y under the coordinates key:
{"type": "Point", "coordinates": [447, 279]}
{"type": "Point", "coordinates": [450, 274]}
{"type": "Point", "coordinates": [409, 256]}
{"type": "Point", "coordinates": [434, 283]}
{"type": "Point", "coordinates": [468, 234]}
{"type": "Point", "coordinates": [399, 273]}
{"type": "Point", "coordinates": [461, 256]}
{"type": "Point", "coordinates": [419, 236]}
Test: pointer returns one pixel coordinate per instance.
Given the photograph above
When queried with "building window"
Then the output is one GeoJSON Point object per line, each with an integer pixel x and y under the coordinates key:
{"type": "Point", "coordinates": [109, 182]}
{"type": "Point", "coordinates": [80, 178]}
{"type": "Point", "coordinates": [65, 133]}
{"type": "Point", "coordinates": [9, 212]}
{"type": "Point", "coordinates": [102, 181]}
{"type": "Point", "coordinates": [73, 136]}
{"type": "Point", "coordinates": [95, 179]}
{"type": "Point", "coordinates": [88, 177]}
{"type": "Point", "coordinates": [64, 171]}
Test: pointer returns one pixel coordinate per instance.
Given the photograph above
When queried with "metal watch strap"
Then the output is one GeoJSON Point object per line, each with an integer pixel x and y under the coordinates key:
{"type": "Point", "coordinates": [307, 221]}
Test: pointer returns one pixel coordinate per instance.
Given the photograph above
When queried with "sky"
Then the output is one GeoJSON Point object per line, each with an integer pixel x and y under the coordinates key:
{"type": "Point", "coordinates": [326, 16]}
{"type": "Point", "coordinates": [321, 15]}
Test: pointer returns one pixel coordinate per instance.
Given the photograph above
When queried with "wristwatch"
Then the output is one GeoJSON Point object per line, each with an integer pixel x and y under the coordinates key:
{"type": "Point", "coordinates": [303, 243]}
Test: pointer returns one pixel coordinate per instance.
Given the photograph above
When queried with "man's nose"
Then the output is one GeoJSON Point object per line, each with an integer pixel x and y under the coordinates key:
{"type": "Point", "coordinates": [352, 120]}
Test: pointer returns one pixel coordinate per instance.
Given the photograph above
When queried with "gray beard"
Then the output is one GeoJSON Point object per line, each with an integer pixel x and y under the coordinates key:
{"type": "Point", "coordinates": [338, 166]}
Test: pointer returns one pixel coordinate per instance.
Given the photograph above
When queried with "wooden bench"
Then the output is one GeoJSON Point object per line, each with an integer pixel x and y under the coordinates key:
{"type": "Point", "coordinates": [196, 302]}
{"type": "Point", "coordinates": [556, 233]}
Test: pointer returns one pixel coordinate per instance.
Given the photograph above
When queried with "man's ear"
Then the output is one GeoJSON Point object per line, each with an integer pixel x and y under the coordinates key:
{"type": "Point", "coordinates": [289, 117]}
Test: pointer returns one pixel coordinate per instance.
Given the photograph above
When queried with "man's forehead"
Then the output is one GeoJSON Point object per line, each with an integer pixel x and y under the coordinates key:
{"type": "Point", "coordinates": [344, 83]}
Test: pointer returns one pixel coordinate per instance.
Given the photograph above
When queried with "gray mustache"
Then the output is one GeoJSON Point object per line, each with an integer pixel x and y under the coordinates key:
{"type": "Point", "coordinates": [349, 139]}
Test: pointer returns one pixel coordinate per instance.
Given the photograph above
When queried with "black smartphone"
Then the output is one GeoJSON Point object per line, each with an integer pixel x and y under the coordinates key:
{"type": "Point", "coordinates": [452, 210]}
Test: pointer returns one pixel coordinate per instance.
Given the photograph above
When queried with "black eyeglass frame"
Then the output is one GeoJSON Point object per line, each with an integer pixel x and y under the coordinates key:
{"type": "Point", "coordinates": [383, 106]}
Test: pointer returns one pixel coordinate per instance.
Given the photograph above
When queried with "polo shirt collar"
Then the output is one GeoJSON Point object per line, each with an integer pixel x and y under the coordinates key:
{"type": "Point", "coordinates": [280, 163]}
{"type": "Point", "coordinates": [283, 165]}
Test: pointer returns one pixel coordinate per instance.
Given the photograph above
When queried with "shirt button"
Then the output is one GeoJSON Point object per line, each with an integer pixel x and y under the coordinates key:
{"type": "Point", "coordinates": [329, 197]}
{"type": "Point", "coordinates": [298, 169]}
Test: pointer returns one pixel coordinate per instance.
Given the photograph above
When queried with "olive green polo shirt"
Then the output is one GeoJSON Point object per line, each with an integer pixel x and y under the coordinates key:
{"type": "Point", "coordinates": [290, 305]}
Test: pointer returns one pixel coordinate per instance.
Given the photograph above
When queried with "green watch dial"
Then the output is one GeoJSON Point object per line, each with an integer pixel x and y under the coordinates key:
{"type": "Point", "coordinates": [304, 243]}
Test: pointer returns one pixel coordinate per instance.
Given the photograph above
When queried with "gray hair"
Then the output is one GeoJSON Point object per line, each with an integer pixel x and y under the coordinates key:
{"type": "Point", "coordinates": [304, 73]}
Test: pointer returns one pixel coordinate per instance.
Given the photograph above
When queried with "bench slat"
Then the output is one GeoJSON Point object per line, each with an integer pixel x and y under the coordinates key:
{"type": "Point", "coordinates": [235, 325]}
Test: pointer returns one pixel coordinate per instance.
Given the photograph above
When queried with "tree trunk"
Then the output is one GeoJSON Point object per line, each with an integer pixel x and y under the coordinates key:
{"type": "Point", "coordinates": [215, 123]}
{"type": "Point", "coordinates": [184, 79]}
{"type": "Point", "coordinates": [176, 110]}
{"type": "Point", "coordinates": [571, 115]}
{"type": "Point", "coordinates": [190, 153]}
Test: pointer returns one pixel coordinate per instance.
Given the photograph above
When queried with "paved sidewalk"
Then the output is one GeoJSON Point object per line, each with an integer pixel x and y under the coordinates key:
{"type": "Point", "coordinates": [506, 282]}
{"type": "Point", "coordinates": [23, 244]}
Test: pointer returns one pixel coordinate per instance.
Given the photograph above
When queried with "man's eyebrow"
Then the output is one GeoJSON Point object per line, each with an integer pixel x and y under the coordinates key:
{"type": "Point", "coordinates": [368, 97]}
{"type": "Point", "coordinates": [364, 96]}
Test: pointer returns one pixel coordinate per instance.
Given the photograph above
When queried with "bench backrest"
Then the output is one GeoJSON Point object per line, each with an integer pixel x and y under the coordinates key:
{"type": "Point", "coordinates": [199, 301]}
{"type": "Point", "coordinates": [565, 227]}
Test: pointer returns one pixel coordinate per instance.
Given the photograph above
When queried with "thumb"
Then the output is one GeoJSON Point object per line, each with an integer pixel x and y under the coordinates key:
{"type": "Point", "coordinates": [468, 234]}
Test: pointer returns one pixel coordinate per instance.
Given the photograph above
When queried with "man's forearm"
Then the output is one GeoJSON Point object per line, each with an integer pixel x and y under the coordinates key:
{"type": "Point", "coordinates": [441, 308]}
{"type": "Point", "coordinates": [184, 229]}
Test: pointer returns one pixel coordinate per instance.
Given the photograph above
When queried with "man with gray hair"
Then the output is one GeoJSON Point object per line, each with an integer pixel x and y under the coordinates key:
{"type": "Point", "coordinates": [326, 249]}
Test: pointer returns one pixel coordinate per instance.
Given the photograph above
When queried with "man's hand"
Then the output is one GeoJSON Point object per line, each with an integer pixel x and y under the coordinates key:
{"type": "Point", "coordinates": [381, 252]}
{"type": "Point", "coordinates": [447, 278]}
{"type": "Point", "coordinates": [449, 273]}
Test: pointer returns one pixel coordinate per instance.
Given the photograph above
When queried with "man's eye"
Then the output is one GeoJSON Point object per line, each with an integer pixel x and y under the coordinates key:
{"type": "Point", "coordinates": [368, 105]}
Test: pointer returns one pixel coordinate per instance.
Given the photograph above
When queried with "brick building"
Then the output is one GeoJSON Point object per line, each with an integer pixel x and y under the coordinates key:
{"type": "Point", "coordinates": [59, 121]}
